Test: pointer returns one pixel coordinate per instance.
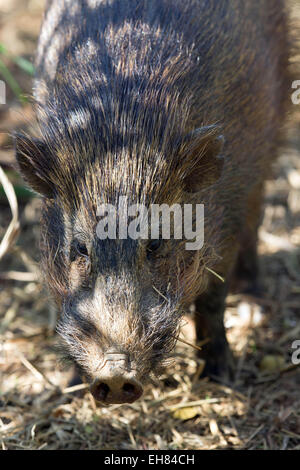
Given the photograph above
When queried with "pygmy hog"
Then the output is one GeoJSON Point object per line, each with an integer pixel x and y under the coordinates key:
{"type": "Point", "coordinates": [160, 102]}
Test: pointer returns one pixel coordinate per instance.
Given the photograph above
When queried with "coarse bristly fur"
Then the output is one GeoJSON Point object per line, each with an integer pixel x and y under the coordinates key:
{"type": "Point", "coordinates": [135, 98]}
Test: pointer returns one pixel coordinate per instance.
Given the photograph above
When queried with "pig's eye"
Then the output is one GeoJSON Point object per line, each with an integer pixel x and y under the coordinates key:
{"type": "Point", "coordinates": [78, 249]}
{"type": "Point", "coordinates": [81, 249]}
{"type": "Point", "coordinates": [153, 246]}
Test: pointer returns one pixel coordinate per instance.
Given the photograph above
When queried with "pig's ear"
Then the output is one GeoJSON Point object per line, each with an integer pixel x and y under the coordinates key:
{"type": "Point", "coordinates": [203, 160]}
{"type": "Point", "coordinates": [33, 164]}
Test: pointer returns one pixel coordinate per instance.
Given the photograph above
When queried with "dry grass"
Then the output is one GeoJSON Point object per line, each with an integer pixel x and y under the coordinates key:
{"type": "Point", "coordinates": [260, 411]}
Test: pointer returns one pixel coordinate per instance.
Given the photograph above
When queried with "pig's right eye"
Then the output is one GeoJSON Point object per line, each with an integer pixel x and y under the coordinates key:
{"type": "Point", "coordinates": [152, 247]}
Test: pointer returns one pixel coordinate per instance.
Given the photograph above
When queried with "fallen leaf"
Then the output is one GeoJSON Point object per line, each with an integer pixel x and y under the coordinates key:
{"type": "Point", "coordinates": [271, 363]}
{"type": "Point", "coordinates": [186, 413]}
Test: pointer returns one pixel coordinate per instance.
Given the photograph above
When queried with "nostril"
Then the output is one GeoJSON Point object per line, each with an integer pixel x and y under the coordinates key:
{"type": "Point", "coordinates": [131, 391]}
{"type": "Point", "coordinates": [101, 391]}
{"type": "Point", "coordinates": [129, 388]}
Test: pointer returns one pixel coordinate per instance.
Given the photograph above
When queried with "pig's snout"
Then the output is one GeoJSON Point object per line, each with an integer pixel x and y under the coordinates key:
{"type": "Point", "coordinates": [115, 382]}
{"type": "Point", "coordinates": [116, 389]}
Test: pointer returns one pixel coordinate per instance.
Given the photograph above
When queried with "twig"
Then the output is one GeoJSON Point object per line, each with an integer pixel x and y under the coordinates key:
{"type": "Point", "coordinates": [14, 226]}
{"type": "Point", "coordinates": [203, 342]}
{"type": "Point", "coordinates": [289, 335]}
{"type": "Point", "coordinates": [75, 388]}
{"type": "Point", "coordinates": [28, 262]}
{"type": "Point", "coordinates": [194, 403]}
{"type": "Point", "coordinates": [9, 316]}
{"type": "Point", "coordinates": [289, 368]}
{"type": "Point", "coordinates": [275, 376]}
{"type": "Point", "coordinates": [254, 434]}
{"type": "Point", "coordinates": [38, 375]}
{"type": "Point", "coordinates": [215, 274]}
{"type": "Point", "coordinates": [189, 344]}
{"type": "Point", "coordinates": [162, 295]}
{"type": "Point", "coordinates": [19, 276]}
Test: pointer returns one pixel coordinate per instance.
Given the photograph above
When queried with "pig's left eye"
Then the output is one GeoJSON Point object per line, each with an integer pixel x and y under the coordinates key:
{"type": "Point", "coordinates": [81, 249]}
{"type": "Point", "coordinates": [78, 249]}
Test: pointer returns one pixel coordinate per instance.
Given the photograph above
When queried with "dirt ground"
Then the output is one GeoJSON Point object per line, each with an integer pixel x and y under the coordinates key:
{"type": "Point", "coordinates": [261, 410]}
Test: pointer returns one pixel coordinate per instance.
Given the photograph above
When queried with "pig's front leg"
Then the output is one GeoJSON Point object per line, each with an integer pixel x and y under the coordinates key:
{"type": "Point", "coordinates": [209, 316]}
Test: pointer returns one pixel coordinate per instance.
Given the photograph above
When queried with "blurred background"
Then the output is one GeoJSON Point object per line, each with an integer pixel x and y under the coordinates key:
{"type": "Point", "coordinates": [38, 411]}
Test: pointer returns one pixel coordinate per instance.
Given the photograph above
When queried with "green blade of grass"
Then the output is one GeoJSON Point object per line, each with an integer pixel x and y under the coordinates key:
{"type": "Point", "coordinates": [3, 49]}
{"type": "Point", "coordinates": [22, 193]}
{"type": "Point", "coordinates": [25, 65]}
{"type": "Point", "coordinates": [10, 80]}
